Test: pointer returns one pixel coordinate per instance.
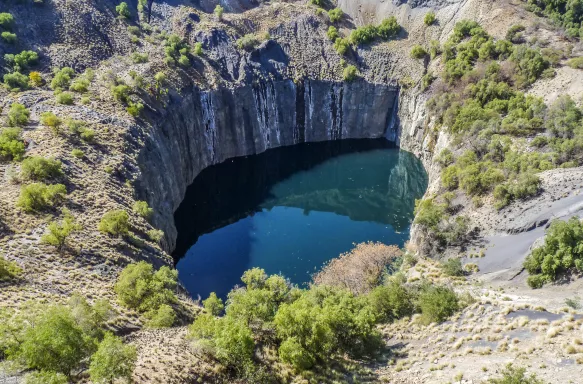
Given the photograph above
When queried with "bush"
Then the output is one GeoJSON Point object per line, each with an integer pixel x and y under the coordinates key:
{"type": "Point", "coordinates": [163, 317]}
{"type": "Point", "coordinates": [62, 78]}
{"type": "Point", "coordinates": [576, 63]}
{"type": "Point", "coordinates": [18, 115]}
{"type": "Point", "coordinates": [58, 233]}
{"type": "Point", "coordinates": [388, 28]}
{"type": "Point", "coordinates": [429, 18]}
{"type": "Point", "coordinates": [437, 303]}
{"type": "Point", "coordinates": [335, 14]}
{"type": "Point", "coordinates": [213, 305]}
{"type": "Point", "coordinates": [143, 209]}
{"type": "Point", "coordinates": [332, 34]}
{"type": "Point", "coordinates": [135, 109]}
{"type": "Point", "coordinates": [218, 11]}
{"type": "Point", "coordinates": [418, 52]}
{"type": "Point", "coordinates": [77, 153]}
{"type": "Point", "coordinates": [428, 213]}
{"type": "Point", "coordinates": [9, 270]}
{"type": "Point", "coordinates": [449, 177]}
{"type": "Point", "coordinates": [138, 58]}
{"type": "Point", "coordinates": [65, 98]}
{"type": "Point", "coordinates": [350, 73]}
{"type": "Point", "coordinates": [35, 79]}
{"type": "Point", "coordinates": [39, 196]}
{"type": "Point", "coordinates": [341, 45]}
{"type": "Point", "coordinates": [452, 267]}
{"type": "Point", "coordinates": [198, 51]}
{"type": "Point", "coordinates": [22, 60]}
{"type": "Point", "coordinates": [512, 375]}
{"type": "Point", "coordinates": [139, 287]}
{"type": "Point", "coordinates": [392, 301]}
{"type": "Point", "coordinates": [248, 42]}
{"type": "Point", "coordinates": [293, 353]}
{"type": "Point", "coordinates": [123, 10]}
{"type": "Point", "coordinates": [9, 37]}
{"type": "Point", "coordinates": [16, 81]}
{"type": "Point", "coordinates": [51, 120]}
{"type": "Point", "coordinates": [11, 145]}
{"type": "Point", "coordinates": [115, 222]}
{"type": "Point", "coordinates": [560, 252]}
{"type": "Point", "coordinates": [112, 360]}
{"type": "Point", "coordinates": [80, 85]}
{"type": "Point", "coordinates": [514, 34]}
{"type": "Point", "coordinates": [45, 377]}
{"type": "Point", "coordinates": [155, 235]}
{"type": "Point", "coordinates": [6, 20]}
{"type": "Point", "coordinates": [40, 169]}
{"type": "Point", "coordinates": [121, 92]}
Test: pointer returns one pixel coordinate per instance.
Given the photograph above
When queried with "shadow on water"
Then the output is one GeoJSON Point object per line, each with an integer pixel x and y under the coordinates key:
{"type": "Point", "coordinates": [252, 211]}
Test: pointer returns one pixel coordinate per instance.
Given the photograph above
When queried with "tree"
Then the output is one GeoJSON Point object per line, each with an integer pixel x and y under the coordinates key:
{"type": "Point", "coordinates": [123, 10]}
{"type": "Point", "coordinates": [213, 304]}
{"type": "Point", "coordinates": [418, 52]}
{"type": "Point", "coordinates": [39, 168]}
{"type": "Point", "coordinates": [9, 270]}
{"type": "Point", "coordinates": [45, 377]}
{"type": "Point", "coordinates": [335, 14]}
{"type": "Point", "coordinates": [143, 209]}
{"type": "Point", "coordinates": [18, 115]}
{"type": "Point", "coordinates": [219, 12]}
{"type": "Point", "coordinates": [115, 223]}
{"type": "Point", "coordinates": [54, 343]}
{"type": "Point", "coordinates": [437, 303]}
{"type": "Point", "coordinates": [163, 317]}
{"type": "Point", "coordinates": [58, 233]}
{"type": "Point", "coordinates": [112, 360]}
{"type": "Point", "coordinates": [39, 196]}
{"type": "Point", "coordinates": [429, 18]}
{"type": "Point", "coordinates": [6, 20]}
{"type": "Point", "coordinates": [350, 73]}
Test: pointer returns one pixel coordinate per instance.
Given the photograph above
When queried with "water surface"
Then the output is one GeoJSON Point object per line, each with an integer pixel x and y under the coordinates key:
{"type": "Point", "coordinates": [289, 210]}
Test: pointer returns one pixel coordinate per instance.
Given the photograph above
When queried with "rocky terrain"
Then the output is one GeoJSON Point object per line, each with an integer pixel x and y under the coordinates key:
{"type": "Point", "coordinates": [286, 89]}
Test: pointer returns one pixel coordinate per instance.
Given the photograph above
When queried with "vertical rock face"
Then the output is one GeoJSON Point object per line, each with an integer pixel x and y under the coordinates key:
{"type": "Point", "coordinates": [208, 127]}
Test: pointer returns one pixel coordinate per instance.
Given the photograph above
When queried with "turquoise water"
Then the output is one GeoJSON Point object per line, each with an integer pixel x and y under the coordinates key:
{"type": "Point", "coordinates": [290, 210]}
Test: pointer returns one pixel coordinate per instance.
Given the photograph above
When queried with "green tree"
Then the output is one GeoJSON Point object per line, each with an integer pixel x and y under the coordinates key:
{"type": "Point", "coordinates": [429, 18]}
{"type": "Point", "coordinates": [143, 209]}
{"type": "Point", "coordinates": [45, 377]}
{"type": "Point", "coordinates": [18, 115]}
{"type": "Point", "coordinates": [219, 12]}
{"type": "Point", "coordinates": [11, 145]}
{"type": "Point", "coordinates": [39, 196]}
{"type": "Point", "coordinates": [6, 20]}
{"type": "Point", "coordinates": [52, 121]}
{"type": "Point", "coordinates": [437, 303]}
{"type": "Point", "coordinates": [115, 223]}
{"type": "Point", "coordinates": [163, 317]}
{"type": "Point", "coordinates": [335, 14]}
{"type": "Point", "coordinates": [332, 33]}
{"type": "Point", "coordinates": [341, 45]}
{"type": "Point", "coordinates": [214, 305]}
{"type": "Point", "coordinates": [58, 233]}
{"type": "Point", "coordinates": [123, 10]}
{"type": "Point", "coordinates": [39, 168]}
{"type": "Point", "coordinates": [9, 270]}
{"type": "Point", "coordinates": [112, 360]}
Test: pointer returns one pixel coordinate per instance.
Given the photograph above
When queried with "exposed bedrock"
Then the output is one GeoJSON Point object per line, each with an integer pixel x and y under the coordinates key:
{"type": "Point", "coordinates": [207, 127]}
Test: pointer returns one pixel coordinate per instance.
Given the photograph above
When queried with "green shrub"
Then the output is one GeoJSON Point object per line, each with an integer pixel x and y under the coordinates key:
{"type": "Point", "coordinates": [213, 305]}
{"type": "Point", "coordinates": [514, 34]}
{"type": "Point", "coordinates": [51, 120]}
{"type": "Point", "coordinates": [428, 213]}
{"type": "Point", "coordinates": [350, 73]}
{"type": "Point", "coordinates": [218, 11]}
{"type": "Point", "coordinates": [536, 281]}
{"type": "Point", "coordinates": [112, 360]}
{"type": "Point", "coordinates": [115, 223]}
{"type": "Point", "coordinates": [135, 109]}
{"type": "Point", "coordinates": [45, 377]}
{"type": "Point", "coordinates": [143, 209]}
{"type": "Point", "coordinates": [332, 34]}
{"type": "Point", "coordinates": [6, 20]}
{"type": "Point", "coordinates": [59, 232]}
{"type": "Point", "coordinates": [198, 51]}
{"type": "Point", "coordinates": [155, 235]}
{"type": "Point", "coordinates": [163, 317]}
{"type": "Point", "coordinates": [139, 287]}
{"type": "Point", "coordinates": [452, 267]}
{"type": "Point", "coordinates": [16, 81]}
{"type": "Point", "coordinates": [445, 157]}
{"type": "Point", "coordinates": [65, 98]}
{"type": "Point", "coordinates": [22, 60]}
{"type": "Point", "coordinates": [62, 78]}
{"type": "Point", "coordinates": [388, 28]}
{"type": "Point", "coordinates": [87, 135]}
{"type": "Point", "coordinates": [9, 37]}
{"type": "Point", "coordinates": [18, 115]}
{"type": "Point", "coordinates": [121, 92]}
{"type": "Point", "coordinates": [9, 270]}
{"type": "Point", "coordinates": [40, 169]}
{"type": "Point", "coordinates": [437, 303]}
{"type": "Point", "coordinates": [561, 251]}
{"type": "Point", "coordinates": [39, 196]}
{"type": "Point", "coordinates": [429, 18]}
{"type": "Point", "coordinates": [390, 302]}
{"type": "Point", "coordinates": [123, 10]}
{"type": "Point", "coordinates": [576, 63]}
{"type": "Point", "coordinates": [248, 42]}
{"type": "Point", "coordinates": [77, 153]}
{"type": "Point", "coordinates": [138, 58]}
{"type": "Point", "coordinates": [335, 14]}
{"type": "Point", "coordinates": [341, 45]}
{"type": "Point", "coordinates": [80, 84]}
{"type": "Point", "coordinates": [418, 52]}
{"type": "Point", "coordinates": [449, 177]}
{"type": "Point", "coordinates": [11, 145]}
{"type": "Point", "coordinates": [512, 375]}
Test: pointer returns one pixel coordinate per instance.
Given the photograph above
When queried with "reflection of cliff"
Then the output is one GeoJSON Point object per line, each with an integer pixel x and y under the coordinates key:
{"type": "Point", "coordinates": [345, 177]}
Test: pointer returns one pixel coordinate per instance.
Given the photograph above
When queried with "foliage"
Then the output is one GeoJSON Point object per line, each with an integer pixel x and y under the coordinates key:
{"type": "Point", "coordinates": [139, 287]}
{"type": "Point", "coordinates": [341, 45]}
{"type": "Point", "coordinates": [112, 360]}
{"type": "Point", "coordinates": [335, 14]}
{"type": "Point", "coordinates": [9, 270]}
{"type": "Point", "coordinates": [198, 51]}
{"type": "Point", "coordinates": [39, 168]}
{"type": "Point", "coordinates": [514, 375]}
{"type": "Point", "coordinates": [163, 317]}
{"type": "Point", "coordinates": [35, 79]}
{"type": "Point", "coordinates": [213, 305]}
{"type": "Point", "coordinates": [59, 232]}
{"type": "Point", "coordinates": [143, 209]}
{"type": "Point", "coordinates": [218, 11]}
{"type": "Point", "coordinates": [62, 78]}
{"type": "Point", "coordinates": [6, 20]}
{"type": "Point", "coordinates": [388, 29]}
{"type": "Point", "coordinates": [39, 196]}
{"type": "Point", "coordinates": [115, 222]}
{"type": "Point", "coordinates": [52, 121]}
{"type": "Point", "coordinates": [576, 63]}
{"type": "Point", "coordinates": [22, 60]}
{"type": "Point", "coordinates": [123, 10]}
{"type": "Point", "coordinates": [155, 235]}
{"type": "Point", "coordinates": [176, 50]}
{"type": "Point", "coordinates": [514, 34]}
{"type": "Point", "coordinates": [9, 37]}
{"type": "Point", "coordinates": [11, 145]}
{"type": "Point", "coordinates": [15, 81]}
{"type": "Point", "coordinates": [429, 18]}
{"type": "Point", "coordinates": [437, 303]}
{"type": "Point", "coordinates": [428, 213]}
{"type": "Point", "coordinates": [567, 13]}
{"type": "Point", "coordinates": [562, 251]}
{"type": "Point", "coordinates": [45, 377]}
{"type": "Point", "coordinates": [391, 301]}
{"type": "Point", "coordinates": [332, 34]}
{"type": "Point", "coordinates": [138, 58]}
{"type": "Point", "coordinates": [350, 73]}
{"type": "Point", "coordinates": [248, 42]}
{"type": "Point", "coordinates": [418, 52]}
{"type": "Point", "coordinates": [135, 109]}
{"type": "Point", "coordinates": [77, 153]}
{"type": "Point", "coordinates": [80, 84]}
{"type": "Point", "coordinates": [452, 267]}
{"type": "Point", "coordinates": [18, 115]}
